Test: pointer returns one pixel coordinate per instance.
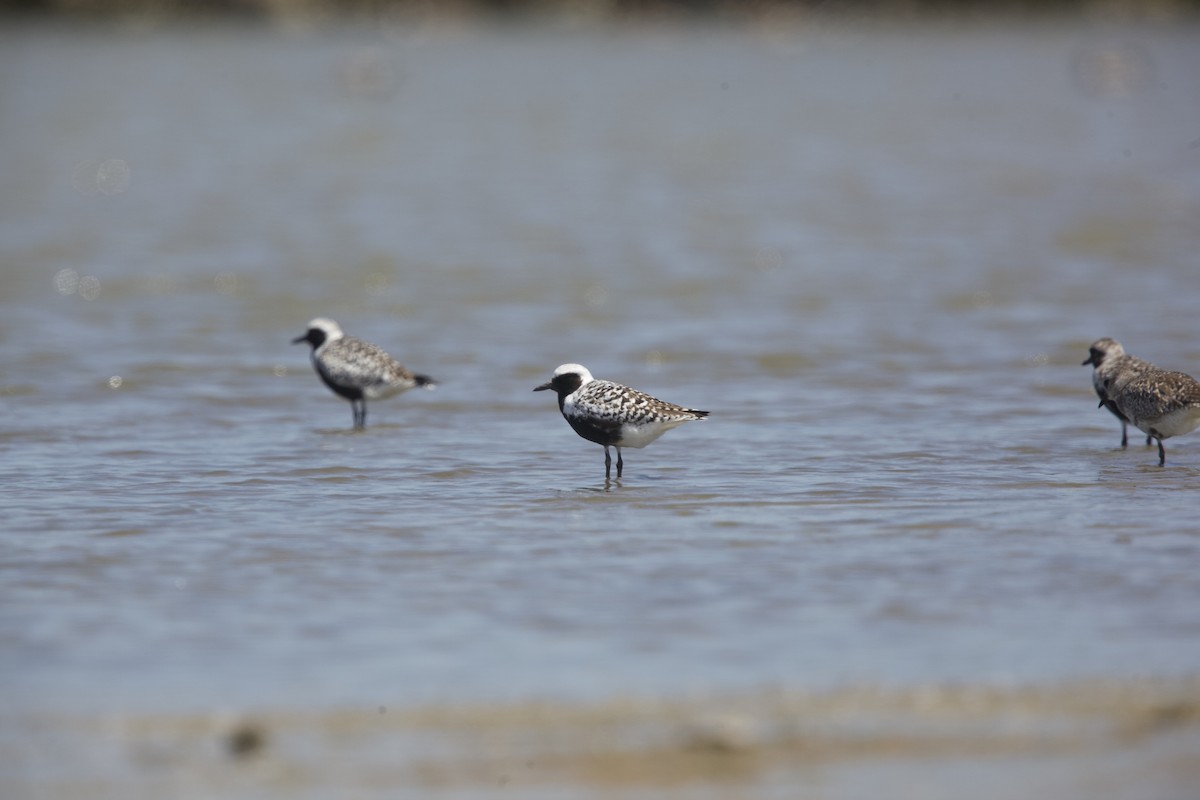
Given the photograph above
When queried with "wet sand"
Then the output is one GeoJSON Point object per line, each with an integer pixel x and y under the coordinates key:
{"type": "Point", "coordinates": [1098, 739]}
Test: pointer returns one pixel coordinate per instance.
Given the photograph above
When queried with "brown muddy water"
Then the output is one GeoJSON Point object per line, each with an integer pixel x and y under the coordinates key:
{"type": "Point", "coordinates": [904, 557]}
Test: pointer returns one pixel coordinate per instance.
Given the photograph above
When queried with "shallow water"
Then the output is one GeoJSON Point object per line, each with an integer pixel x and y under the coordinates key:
{"type": "Point", "coordinates": [876, 257]}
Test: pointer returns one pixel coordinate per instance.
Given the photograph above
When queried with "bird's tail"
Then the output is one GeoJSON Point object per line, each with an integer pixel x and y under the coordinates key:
{"type": "Point", "coordinates": [425, 381]}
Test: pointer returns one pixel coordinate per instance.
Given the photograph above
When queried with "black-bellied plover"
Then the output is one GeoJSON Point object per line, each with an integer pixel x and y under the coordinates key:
{"type": "Point", "coordinates": [356, 370]}
{"type": "Point", "coordinates": [613, 415]}
{"type": "Point", "coordinates": [1111, 362]}
{"type": "Point", "coordinates": [1161, 403]}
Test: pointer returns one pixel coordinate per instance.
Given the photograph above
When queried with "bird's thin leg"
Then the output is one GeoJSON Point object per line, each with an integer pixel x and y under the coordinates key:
{"type": "Point", "coordinates": [1124, 435]}
{"type": "Point", "coordinates": [1148, 440]}
{"type": "Point", "coordinates": [620, 462]}
{"type": "Point", "coordinates": [362, 413]}
{"type": "Point", "coordinates": [608, 464]}
{"type": "Point", "coordinates": [1162, 454]}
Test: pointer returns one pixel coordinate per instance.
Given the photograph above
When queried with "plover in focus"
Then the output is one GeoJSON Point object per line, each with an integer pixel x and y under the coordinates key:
{"type": "Point", "coordinates": [356, 370]}
{"type": "Point", "coordinates": [1113, 366]}
{"type": "Point", "coordinates": [1159, 402]}
{"type": "Point", "coordinates": [613, 415]}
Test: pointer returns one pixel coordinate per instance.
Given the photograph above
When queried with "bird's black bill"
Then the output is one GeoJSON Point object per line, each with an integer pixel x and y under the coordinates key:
{"type": "Point", "coordinates": [300, 339]}
{"type": "Point", "coordinates": [543, 387]}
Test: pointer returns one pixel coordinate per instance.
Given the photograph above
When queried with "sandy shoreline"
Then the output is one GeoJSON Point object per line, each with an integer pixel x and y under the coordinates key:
{"type": "Point", "coordinates": [1088, 739]}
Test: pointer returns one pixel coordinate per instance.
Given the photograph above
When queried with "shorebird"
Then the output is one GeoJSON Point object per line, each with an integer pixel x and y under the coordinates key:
{"type": "Point", "coordinates": [613, 415]}
{"type": "Point", "coordinates": [356, 370]}
{"type": "Point", "coordinates": [1110, 359]}
{"type": "Point", "coordinates": [1160, 403]}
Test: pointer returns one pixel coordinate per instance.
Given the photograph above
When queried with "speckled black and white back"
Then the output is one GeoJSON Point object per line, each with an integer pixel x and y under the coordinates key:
{"type": "Point", "coordinates": [1161, 402]}
{"type": "Point", "coordinates": [638, 418]}
{"type": "Point", "coordinates": [610, 413]}
{"type": "Point", "coordinates": [355, 369]}
{"type": "Point", "coordinates": [349, 363]}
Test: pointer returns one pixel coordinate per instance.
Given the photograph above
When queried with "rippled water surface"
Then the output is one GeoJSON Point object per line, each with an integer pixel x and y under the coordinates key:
{"type": "Point", "coordinates": [876, 258]}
